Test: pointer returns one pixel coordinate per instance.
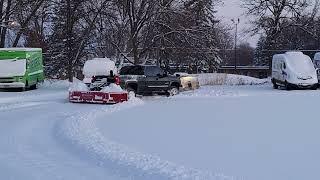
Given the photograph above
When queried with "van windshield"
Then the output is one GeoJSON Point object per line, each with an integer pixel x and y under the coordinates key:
{"type": "Point", "coordinates": [301, 64]}
{"type": "Point", "coordinates": [13, 67]}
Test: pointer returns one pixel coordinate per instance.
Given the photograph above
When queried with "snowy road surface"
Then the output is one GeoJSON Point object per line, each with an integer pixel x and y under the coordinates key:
{"type": "Point", "coordinates": [220, 132]}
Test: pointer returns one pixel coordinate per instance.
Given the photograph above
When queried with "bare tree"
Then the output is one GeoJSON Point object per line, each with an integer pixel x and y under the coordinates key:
{"type": "Point", "coordinates": [273, 16]}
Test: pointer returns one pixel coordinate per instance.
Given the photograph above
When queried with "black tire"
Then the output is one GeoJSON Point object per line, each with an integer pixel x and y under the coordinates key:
{"type": "Point", "coordinates": [275, 86]}
{"type": "Point", "coordinates": [131, 93]}
{"type": "Point", "coordinates": [287, 86]}
{"type": "Point", "coordinates": [35, 86]}
{"type": "Point", "coordinates": [315, 87]}
{"type": "Point", "coordinates": [173, 91]}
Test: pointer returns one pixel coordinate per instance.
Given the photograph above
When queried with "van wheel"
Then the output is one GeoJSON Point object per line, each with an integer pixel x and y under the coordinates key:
{"type": "Point", "coordinates": [35, 86]}
{"type": "Point", "coordinates": [315, 87]}
{"type": "Point", "coordinates": [275, 85]}
{"type": "Point", "coordinates": [287, 86]}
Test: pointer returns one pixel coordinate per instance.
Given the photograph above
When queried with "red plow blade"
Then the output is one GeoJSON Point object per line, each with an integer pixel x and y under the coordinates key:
{"type": "Point", "coordinates": [97, 97]}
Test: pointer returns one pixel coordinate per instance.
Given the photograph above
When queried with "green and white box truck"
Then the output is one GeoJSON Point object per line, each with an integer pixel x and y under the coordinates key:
{"type": "Point", "coordinates": [21, 67]}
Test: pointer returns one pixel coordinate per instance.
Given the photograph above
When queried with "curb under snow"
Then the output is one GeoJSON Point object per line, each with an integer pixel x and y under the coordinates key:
{"type": "Point", "coordinates": [81, 132]}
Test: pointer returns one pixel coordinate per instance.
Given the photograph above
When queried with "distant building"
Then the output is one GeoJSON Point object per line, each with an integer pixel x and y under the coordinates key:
{"type": "Point", "coordinates": [253, 71]}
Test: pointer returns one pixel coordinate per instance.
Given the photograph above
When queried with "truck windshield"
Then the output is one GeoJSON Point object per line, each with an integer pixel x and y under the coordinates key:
{"type": "Point", "coordinates": [132, 70]}
{"type": "Point", "coordinates": [301, 64]}
{"type": "Point", "coordinates": [13, 67]}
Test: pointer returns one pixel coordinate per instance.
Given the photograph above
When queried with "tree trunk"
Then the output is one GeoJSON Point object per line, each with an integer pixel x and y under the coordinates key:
{"type": "Point", "coordinates": [1, 16]}
{"type": "Point", "coordinates": [135, 51]}
{"type": "Point", "coordinates": [4, 29]}
{"type": "Point", "coordinates": [69, 48]}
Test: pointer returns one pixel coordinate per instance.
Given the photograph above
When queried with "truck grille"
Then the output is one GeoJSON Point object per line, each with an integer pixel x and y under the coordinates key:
{"type": "Point", "coordinates": [7, 80]}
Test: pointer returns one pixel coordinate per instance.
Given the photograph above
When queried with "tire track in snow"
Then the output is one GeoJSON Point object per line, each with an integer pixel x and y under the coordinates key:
{"type": "Point", "coordinates": [80, 132]}
{"type": "Point", "coordinates": [8, 107]}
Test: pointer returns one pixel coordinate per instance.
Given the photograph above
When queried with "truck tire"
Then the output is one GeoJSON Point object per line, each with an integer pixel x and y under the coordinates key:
{"type": "Point", "coordinates": [275, 85]}
{"type": "Point", "coordinates": [287, 86]}
{"type": "Point", "coordinates": [315, 87]}
{"type": "Point", "coordinates": [131, 93]}
{"type": "Point", "coordinates": [173, 91]}
{"type": "Point", "coordinates": [35, 86]}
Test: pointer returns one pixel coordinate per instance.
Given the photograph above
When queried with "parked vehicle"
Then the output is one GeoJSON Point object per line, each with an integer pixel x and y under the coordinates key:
{"type": "Point", "coordinates": [316, 62]}
{"type": "Point", "coordinates": [188, 82]}
{"type": "Point", "coordinates": [293, 70]}
{"type": "Point", "coordinates": [21, 68]}
{"type": "Point", "coordinates": [144, 80]}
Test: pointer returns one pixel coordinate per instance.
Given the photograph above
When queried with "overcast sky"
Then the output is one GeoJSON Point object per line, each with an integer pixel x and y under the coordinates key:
{"type": "Point", "coordinates": [230, 9]}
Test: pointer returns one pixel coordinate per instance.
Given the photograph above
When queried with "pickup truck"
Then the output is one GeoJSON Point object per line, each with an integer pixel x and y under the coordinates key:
{"type": "Point", "coordinates": [146, 80]}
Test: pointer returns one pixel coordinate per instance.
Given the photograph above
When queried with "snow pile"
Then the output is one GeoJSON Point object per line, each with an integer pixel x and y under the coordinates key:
{"type": "Point", "coordinates": [99, 66]}
{"type": "Point", "coordinates": [82, 133]}
{"type": "Point", "coordinates": [229, 79]}
{"type": "Point", "coordinates": [244, 80]}
{"type": "Point", "coordinates": [112, 88]}
{"type": "Point", "coordinates": [55, 84]}
{"type": "Point", "coordinates": [78, 86]}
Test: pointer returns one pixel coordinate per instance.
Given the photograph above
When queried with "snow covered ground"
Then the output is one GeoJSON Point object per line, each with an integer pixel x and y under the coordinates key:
{"type": "Point", "coordinates": [216, 132]}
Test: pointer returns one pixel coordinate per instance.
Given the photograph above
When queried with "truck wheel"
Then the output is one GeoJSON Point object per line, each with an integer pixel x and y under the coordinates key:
{"type": "Point", "coordinates": [275, 85]}
{"type": "Point", "coordinates": [35, 86]}
{"type": "Point", "coordinates": [315, 87]}
{"type": "Point", "coordinates": [131, 93]}
{"type": "Point", "coordinates": [173, 91]}
{"type": "Point", "coordinates": [287, 86]}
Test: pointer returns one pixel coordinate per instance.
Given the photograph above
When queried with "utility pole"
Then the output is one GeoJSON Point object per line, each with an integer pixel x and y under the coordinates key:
{"type": "Point", "coordinates": [236, 23]}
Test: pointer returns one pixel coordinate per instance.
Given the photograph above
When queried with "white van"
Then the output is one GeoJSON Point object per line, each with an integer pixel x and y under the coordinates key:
{"type": "Point", "coordinates": [316, 62]}
{"type": "Point", "coordinates": [293, 70]}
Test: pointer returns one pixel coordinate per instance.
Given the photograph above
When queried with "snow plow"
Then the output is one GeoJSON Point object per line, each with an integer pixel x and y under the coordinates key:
{"type": "Point", "coordinates": [103, 86]}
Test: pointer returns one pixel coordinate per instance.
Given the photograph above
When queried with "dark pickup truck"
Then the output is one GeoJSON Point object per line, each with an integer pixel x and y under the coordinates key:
{"type": "Point", "coordinates": [146, 80]}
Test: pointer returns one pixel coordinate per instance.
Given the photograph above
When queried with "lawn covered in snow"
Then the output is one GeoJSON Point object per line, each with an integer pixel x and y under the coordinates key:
{"type": "Point", "coordinates": [217, 132]}
{"type": "Point", "coordinates": [245, 132]}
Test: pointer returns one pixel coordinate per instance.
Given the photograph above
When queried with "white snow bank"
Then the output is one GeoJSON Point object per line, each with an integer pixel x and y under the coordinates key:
{"type": "Point", "coordinates": [228, 79]}
{"type": "Point", "coordinates": [82, 134]}
{"type": "Point", "coordinates": [78, 86]}
{"type": "Point", "coordinates": [99, 66]}
{"type": "Point", "coordinates": [112, 88]}
{"type": "Point", "coordinates": [55, 84]}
